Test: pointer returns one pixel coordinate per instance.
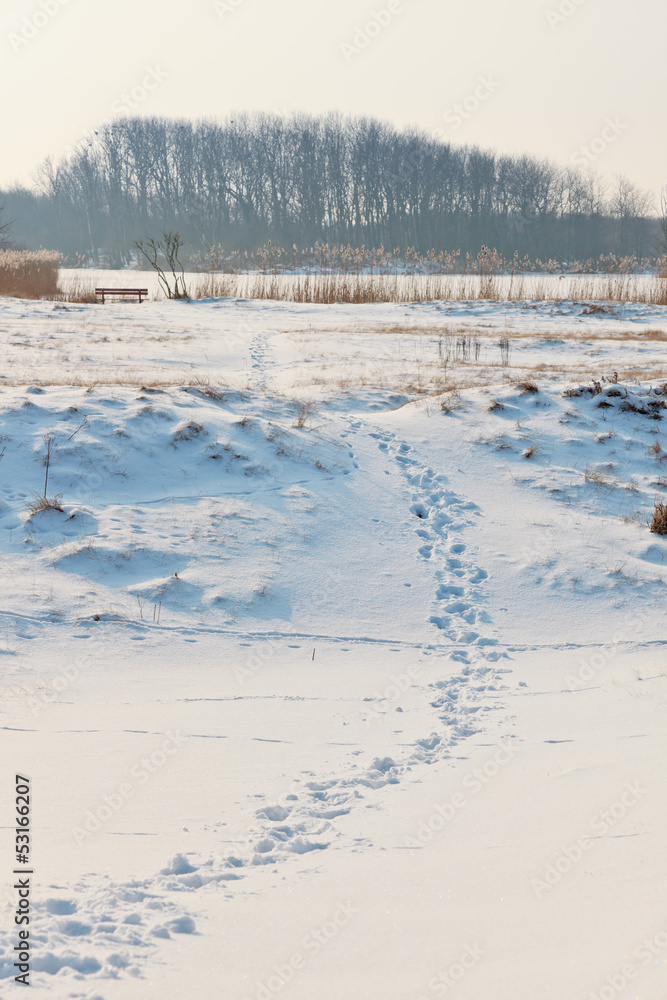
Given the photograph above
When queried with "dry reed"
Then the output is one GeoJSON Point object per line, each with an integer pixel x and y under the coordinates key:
{"type": "Point", "coordinates": [29, 274]}
{"type": "Point", "coordinates": [358, 289]}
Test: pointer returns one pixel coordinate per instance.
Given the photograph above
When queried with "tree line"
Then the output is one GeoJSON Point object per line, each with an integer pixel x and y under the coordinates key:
{"type": "Point", "coordinates": [296, 180]}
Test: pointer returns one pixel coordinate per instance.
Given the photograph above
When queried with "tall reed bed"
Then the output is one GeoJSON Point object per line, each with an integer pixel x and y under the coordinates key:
{"type": "Point", "coordinates": [364, 288]}
{"type": "Point", "coordinates": [29, 274]}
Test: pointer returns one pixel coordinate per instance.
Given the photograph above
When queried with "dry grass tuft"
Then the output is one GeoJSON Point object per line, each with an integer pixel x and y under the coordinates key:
{"type": "Point", "coordinates": [206, 388]}
{"type": "Point", "coordinates": [595, 476]}
{"type": "Point", "coordinates": [188, 431]}
{"type": "Point", "coordinates": [529, 452]}
{"type": "Point", "coordinates": [527, 387]}
{"type": "Point", "coordinates": [658, 524]}
{"type": "Point", "coordinates": [304, 411]}
{"type": "Point", "coordinates": [451, 402]}
{"type": "Point", "coordinates": [46, 503]}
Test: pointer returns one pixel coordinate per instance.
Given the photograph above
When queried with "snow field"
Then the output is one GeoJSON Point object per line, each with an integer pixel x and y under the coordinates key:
{"type": "Point", "coordinates": [336, 650]}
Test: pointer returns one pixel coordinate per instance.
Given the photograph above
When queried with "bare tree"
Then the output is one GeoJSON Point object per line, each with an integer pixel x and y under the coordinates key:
{"type": "Point", "coordinates": [662, 221]}
{"type": "Point", "coordinates": [168, 248]}
{"type": "Point", "coordinates": [5, 229]}
{"type": "Point", "coordinates": [302, 179]}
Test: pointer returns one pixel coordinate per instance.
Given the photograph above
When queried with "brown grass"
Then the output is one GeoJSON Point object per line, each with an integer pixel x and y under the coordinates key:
{"type": "Point", "coordinates": [304, 411]}
{"type": "Point", "coordinates": [427, 330]}
{"type": "Point", "coordinates": [188, 431]}
{"type": "Point", "coordinates": [658, 524]}
{"type": "Point", "coordinates": [46, 503]}
{"type": "Point", "coordinates": [363, 289]}
{"type": "Point", "coordinates": [79, 291]}
{"type": "Point", "coordinates": [29, 274]}
{"type": "Point", "coordinates": [596, 477]}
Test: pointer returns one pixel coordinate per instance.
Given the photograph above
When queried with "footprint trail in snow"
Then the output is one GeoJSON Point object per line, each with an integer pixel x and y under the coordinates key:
{"type": "Point", "coordinates": [442, 516]}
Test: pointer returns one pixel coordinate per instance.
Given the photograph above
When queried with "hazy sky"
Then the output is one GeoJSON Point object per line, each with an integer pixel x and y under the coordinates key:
{"type": "Point", "coordinates": [564, 79]}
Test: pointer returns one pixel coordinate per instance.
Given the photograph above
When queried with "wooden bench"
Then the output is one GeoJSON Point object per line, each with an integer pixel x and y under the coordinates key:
{"type": "Point", "coordinates": [136, 292]}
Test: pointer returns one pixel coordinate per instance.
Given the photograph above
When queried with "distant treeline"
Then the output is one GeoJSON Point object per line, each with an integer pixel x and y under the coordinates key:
{"type": "Point", "coordinates": [298, 180]}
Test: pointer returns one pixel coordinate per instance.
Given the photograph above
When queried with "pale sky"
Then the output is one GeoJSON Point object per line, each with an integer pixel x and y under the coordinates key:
{"type": "Point", "coordinates": [587, 80]}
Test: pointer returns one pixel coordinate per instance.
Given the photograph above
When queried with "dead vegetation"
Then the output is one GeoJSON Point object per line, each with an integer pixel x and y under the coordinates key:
{"type": "Point", "coordinates": [658, 523]}
{"type": "Point", "coordinates": [362, 289]}
{"type": "Point", "coordinates": [596, 477]}
{"type": "Point", "coordinates": [527, 387]}
{"type": "Point", "coordinates": [305, 410]}
{"type": "Point", "coordinates": [451, 402]}
{"type": "Point", "coordinates": [42, 502]}
{"type": "Point", "coordinates": [29, 274]}
{"type": "Point", "coordinates": [188, 431]}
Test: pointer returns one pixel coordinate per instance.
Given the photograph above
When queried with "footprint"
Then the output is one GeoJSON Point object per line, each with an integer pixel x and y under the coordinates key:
{"type": "Point", "coordinates": [445, 591]}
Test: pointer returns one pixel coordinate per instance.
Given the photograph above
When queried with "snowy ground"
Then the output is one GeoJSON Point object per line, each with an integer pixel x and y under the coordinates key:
{"type": "Point", "coordinates": [340, 672]}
